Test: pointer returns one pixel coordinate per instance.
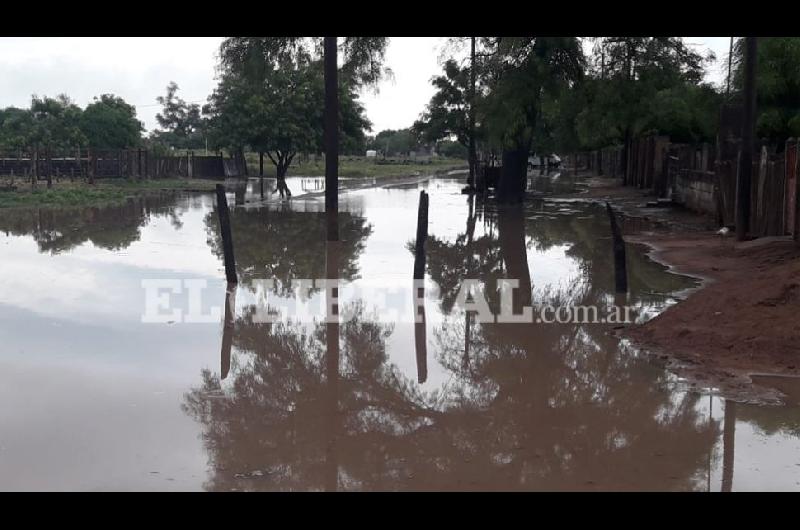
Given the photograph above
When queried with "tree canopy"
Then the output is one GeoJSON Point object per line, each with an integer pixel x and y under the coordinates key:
{"type": "Point", "coordinates": [58, 123]}
{"type": "Point", "coordinates": [271, 96]}
{"type": "Point", "coordinates": [777, 86]}
{"type": "Point", "coordinates": [182, 124]}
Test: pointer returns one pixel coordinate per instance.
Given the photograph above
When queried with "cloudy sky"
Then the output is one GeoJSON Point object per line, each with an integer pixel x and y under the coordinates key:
{"type": "Point", "coordinates": [139, 68]}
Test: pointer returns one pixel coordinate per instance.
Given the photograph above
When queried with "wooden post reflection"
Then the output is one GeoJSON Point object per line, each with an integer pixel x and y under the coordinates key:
{"type": "Point", "coordinates": [227, 330]}
{"type": "Point", "coordinates": [728, 438]}
{"type": "Point", "coordinates": [332, 251]}
{"type": "Point", "coordinates": [420, 334]}
{"type": "Point", "coordinates": [471, 216]}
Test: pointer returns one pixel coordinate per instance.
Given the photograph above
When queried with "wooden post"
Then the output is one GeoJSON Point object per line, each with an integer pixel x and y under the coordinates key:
{"type": "Point", "coordinates": [49, 164]}
{"type": "Point", "coordinates": [225, 231]}
{"type": "Point", "coordinates": [422, 235]}
{"type": "Point", "coordinates": [34, 168]}
{"type": "Point", "coordinates": [743, 183]}
{"type": "Point", "coordinates": [620, 269]}
{"type": "Point", "coordinates": [331, 120]}
{"type": "Point", "coordinates": [797, 189]}
{"type": "Point", "coordinates": [91, 167]}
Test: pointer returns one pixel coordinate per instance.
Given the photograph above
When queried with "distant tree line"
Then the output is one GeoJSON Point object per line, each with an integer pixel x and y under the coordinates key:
{"type": "Point", "coordinates": [58, 123]}
{"type": "Point", "coordinates": [546, 94]}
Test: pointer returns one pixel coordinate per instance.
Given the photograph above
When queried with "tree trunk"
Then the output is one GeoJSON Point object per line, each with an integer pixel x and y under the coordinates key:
{"type": "Point", "coordinates": [743, 183]}
{"type": "Point", "coordinates": [281, 169]}
{"type": "Point", "coordinates": [511, 186]}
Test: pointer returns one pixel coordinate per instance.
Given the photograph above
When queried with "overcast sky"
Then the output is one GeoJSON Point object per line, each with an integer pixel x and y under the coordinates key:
{"type": "Point", "coordinates": [139, 68]}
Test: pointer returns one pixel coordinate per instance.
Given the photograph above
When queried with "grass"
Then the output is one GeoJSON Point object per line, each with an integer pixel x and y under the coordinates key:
{"type": "Point", "coordinates": [109, 191]}
{"type": "Point", "coordinates": [104, 191]}
{"type": "Point", "coordinates": [359, 166]}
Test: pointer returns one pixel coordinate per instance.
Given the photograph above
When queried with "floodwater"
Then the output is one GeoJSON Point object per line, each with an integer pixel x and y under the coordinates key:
{"type": "Point", "coordinates": [93, 398]}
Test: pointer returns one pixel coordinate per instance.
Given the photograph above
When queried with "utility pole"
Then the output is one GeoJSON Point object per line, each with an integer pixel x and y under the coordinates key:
{"type": "Point", "coordinates": [743, 183]}
{"type": "Point", "coordinates": [331, 138]}
{"type": "Point", "coordinates": [730, 62]}
{"type": "Point", "coordinates": [472, 154]}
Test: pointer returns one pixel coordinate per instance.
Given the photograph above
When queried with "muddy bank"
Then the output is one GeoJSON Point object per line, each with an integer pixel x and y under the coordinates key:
{"type": "Point", "coordinates": [742, 320]}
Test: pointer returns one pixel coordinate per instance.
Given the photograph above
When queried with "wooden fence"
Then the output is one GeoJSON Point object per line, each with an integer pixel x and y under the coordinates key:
{"type": "Point", "coordinates": [117, 163]}
{"type": "Point", "coordinates": [702, 177]}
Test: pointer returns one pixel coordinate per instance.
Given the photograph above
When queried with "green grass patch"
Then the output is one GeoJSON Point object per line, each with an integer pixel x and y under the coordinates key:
{"type": "Point", "coordinates": [359, 166]}
{"type": "Point", "coordinates": [104, 191]}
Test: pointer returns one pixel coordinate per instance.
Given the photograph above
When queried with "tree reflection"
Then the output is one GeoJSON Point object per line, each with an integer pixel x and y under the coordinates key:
{"type": "Point", "coordinates": [559, 406]}
{"type": "Point", "coordinates": [116, 227]}
{"type": "Point", "coordinates": [285, 244]}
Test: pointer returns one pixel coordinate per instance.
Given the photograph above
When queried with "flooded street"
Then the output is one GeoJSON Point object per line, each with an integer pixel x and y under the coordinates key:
{"type": "Point", "coordinates": [92, 398]}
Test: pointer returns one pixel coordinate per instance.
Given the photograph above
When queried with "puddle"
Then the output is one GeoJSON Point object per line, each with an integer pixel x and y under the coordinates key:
{"type": "Point", "coordinates": [93, 398]}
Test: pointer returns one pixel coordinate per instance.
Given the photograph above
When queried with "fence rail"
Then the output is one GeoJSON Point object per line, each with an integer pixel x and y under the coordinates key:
{"type": "Point", "coordinates": [74, 164]}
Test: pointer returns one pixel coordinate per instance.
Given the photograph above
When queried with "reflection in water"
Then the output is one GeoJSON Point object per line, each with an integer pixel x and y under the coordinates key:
{"type": "Point", "coordinates": [340, 406]}
{"type": "Point", "coordinates": [559, 406]}
{"type": "Point", "coordinates": [227, 331]}
{"type": "Point", "coordinates": [285, 244]}
{"type": "Point", "coordinates": [110, 227]}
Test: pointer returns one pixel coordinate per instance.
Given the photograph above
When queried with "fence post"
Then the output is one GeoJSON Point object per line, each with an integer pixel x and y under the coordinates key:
{"type": "Point", "coordinates": [797, 190]}
{"type": "Point", "coordinates": [422, 234]}
{"type": "Point", "coordinates": [49, 165]}
{"type": "Point", "coordinates": [34, 167]}
{"type": "Point", "coordinates": [190, 164]}
{"type": "Point", "coordinates": [620, 269]}
{"type": "Point", "coordinates": [91, 165]}
{"type": "Point", "coordinates": [225, 230]}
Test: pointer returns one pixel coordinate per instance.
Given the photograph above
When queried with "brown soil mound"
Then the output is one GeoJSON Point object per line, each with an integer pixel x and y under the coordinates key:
{"type": "Point", "coordinates": [745, 320]}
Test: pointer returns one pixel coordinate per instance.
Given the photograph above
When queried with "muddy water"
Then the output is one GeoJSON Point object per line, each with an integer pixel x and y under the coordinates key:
{"type": "Point", "coordinates": [92, 398]}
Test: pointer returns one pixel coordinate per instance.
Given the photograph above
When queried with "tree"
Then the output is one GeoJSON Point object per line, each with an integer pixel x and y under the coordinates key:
{"type": "Point", "coordinates": [520, 72]}
{"type": "Point", "coordinates": [447, 114]}
{"type": "Point", "coordinates": [183, 123]}
{"type": "Point", "coordinates": [16, 128]}
{"type": "Point", "coordinates": [392, 142]}
{"type": "Point", "coordinates": [777, 86]}
{"type": "Point", "coordinates": [270, 97]}
{"type": "Point", "coordinates": [110, 123]}
{"type": "Point", "coordinates": [627, 75]}
{"type": "Point", "coordinates": [250, 57]}
{"type": "Point", "coordinates": [56, 122]}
